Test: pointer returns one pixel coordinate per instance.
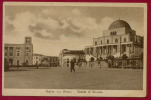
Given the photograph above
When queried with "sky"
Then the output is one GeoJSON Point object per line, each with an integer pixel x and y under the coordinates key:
{"type": "Point", "coordinates": [54, 28]}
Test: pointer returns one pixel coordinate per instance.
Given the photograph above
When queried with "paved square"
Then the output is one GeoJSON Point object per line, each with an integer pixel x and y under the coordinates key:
{"type": "Point", "coordinates": [83, 78]}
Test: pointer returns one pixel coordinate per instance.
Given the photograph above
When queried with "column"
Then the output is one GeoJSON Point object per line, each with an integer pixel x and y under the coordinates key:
{"type": "Point", "coordinates": [112, 50]}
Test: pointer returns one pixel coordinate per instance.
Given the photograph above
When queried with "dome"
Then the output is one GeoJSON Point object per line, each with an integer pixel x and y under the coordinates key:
{"type": "Point", "coordinates": [119, 24]}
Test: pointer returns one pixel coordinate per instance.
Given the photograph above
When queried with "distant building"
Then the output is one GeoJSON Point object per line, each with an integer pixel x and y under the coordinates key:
{"type": "Point", "coordinates": [37, 59]}
{"type": "Point", "coordinates": [119, 39]}
{"type": "Point", "coordinates": [19, 54]}
{"type": "Point", "coordinates": [50, 61]}
{"type": "Point", "coordinates": [65, 56]}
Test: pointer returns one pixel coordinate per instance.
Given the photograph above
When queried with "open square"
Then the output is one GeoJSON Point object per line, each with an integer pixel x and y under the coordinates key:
{"type": "Point", "coordinates": [83, 78]}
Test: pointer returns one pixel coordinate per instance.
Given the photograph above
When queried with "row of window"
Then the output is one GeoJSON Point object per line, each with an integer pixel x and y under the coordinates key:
{"type": "Point", "coordinates": [116, 41]}
{"type": "Point", "coordinates": [18, 48]}
{"type": "Point", "coordinates": [51, 59]}
{"type": "Point", "coordinates": [103, 51]}
{"type": "Point", "coordinates": [113, 33]}
{"type": "Point", "coordinates": [17, 53]}
{"type": "Point", "coordinates": [10, 48]}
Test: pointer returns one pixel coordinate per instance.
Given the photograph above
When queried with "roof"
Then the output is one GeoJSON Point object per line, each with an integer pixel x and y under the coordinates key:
{"type": "Point", "coordinates": [119, 24]}
{"type": "Point", "coordinates": [10, 44]}
{"type": "Point", "coordinates": [75, 52]}
{"type": "Point", "coordinates": [51, 56]}
{"type": "Point", "coordinates": [35, 54]}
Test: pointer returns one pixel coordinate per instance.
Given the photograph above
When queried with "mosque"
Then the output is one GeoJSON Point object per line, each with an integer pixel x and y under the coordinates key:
{"type": "Point", "coordinates": [119, 39]}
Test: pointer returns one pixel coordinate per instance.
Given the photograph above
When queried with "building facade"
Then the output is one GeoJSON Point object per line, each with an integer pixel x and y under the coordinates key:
{"type": "Point", "coordinates": [119, 39]}
{"type": "Point", "coordinates": [50, 61]}
{"type": "Point", "coordinates": [19, 54]}
{"type": "Point", "coordinates": [37, 59]}
{"type": "Point", "coordinates": [65, 56]}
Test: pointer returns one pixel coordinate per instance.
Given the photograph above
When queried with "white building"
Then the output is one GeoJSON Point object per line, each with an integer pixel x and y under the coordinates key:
{"type": "Point", "coordinates": [37, 59]}
{"type": "Point", "coordinates": [119, 39]}
{"type": "Point", "coordinates": [66, 56]}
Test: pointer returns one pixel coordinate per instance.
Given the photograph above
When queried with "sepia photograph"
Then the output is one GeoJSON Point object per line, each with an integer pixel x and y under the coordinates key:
{"type": "Point", "coordinates": [74, 49]}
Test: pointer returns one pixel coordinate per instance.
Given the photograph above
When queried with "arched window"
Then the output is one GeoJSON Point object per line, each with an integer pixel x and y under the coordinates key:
{"type": "Point", "coordinates": [116, 40]}
{"type": "Point", "coordinates": [111, 33]}
{"type": "Point", "coordinates": [107, 41]}
{"type": "Point", "coordinates": [124, 39]}
{"type": "Point", "coordinates": [115, 32]}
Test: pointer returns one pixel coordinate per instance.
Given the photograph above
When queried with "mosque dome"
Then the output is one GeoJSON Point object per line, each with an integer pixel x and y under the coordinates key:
{"type": "Point", "coordinates": [119, 24]}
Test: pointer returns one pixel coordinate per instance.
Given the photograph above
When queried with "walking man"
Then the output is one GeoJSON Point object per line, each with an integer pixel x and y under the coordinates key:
{"type": "Point", "coordinates": [72, 63]}
{"type": "Point", "coordinates": [37, 64]}
{"type": "Point", "coordinates": [91, 62]}
{"type": "Point", "coordinates": [100, 61]}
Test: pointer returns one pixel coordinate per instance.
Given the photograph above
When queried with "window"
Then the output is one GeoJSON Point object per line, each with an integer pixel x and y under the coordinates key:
{"type": "Point", "coordinates": [10, 51]}
{"type": "Point", "coordinates": [26, 53]}
{"type": "Point", "coordinates": [27, 48]}
{"type": "Point", "coordinates": [67, 65]}
{"type": "Point", "coordinates": [5, 60]}
{"type": "Point", "coordinates": [107, 41]}
{"type": "Point", "coordinates": [5, 53]}
{"type": "Point", "coordinates": [18, 48]}
{"type": "Point", "coordinates": [115, 32]}
{"type": "Point", "coordinates": [18, 53]}
{"type": "Point", "coordinates": [95, 43]}
{"type": "Point", "coordinates": [116, 40]}
{"type": "Point", "coordinates": [11, 61]}
{"type": "Point", "coordinates": [27, 62]}
{"type": "Point", "coordinates": [124, 39]}
{"type": "Point", "coordinates": [6, 48]}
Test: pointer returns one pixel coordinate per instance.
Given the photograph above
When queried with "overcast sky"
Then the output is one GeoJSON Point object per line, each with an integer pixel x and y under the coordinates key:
{"type": "Point", "coordinates": [55, 28]}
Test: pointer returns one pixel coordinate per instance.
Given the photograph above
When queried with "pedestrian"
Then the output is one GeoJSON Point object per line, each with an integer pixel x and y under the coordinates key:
{"type": "Point", "coordinates": [99, 63]}
{"type": "Point", "coordinates": [72, 63]}
{"type": "Point", "coordinates": [91, 62]}
{"type": "Point", "coordinates": [37, 65]}
{"type": "Point", "coordinates": [17, 65]}
{"type": "Point", "coordinates": [109, 64]}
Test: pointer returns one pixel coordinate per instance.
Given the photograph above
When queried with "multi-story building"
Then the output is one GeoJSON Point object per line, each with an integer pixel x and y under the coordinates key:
{"type": "Point", "coordinates": [119, 39]}
{"type": "Point", "coordinates": [50, 61]}
{"type": "Point", "coordinates": [65, 56]}
{"type": "Point", "coordinates": [19, 54]}
{"type": "Point", "coordinates": [37, 59]}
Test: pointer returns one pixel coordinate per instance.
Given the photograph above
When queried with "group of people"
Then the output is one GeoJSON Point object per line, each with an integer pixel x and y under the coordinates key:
{"type": "Point", "coordinates": [73, 63]}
